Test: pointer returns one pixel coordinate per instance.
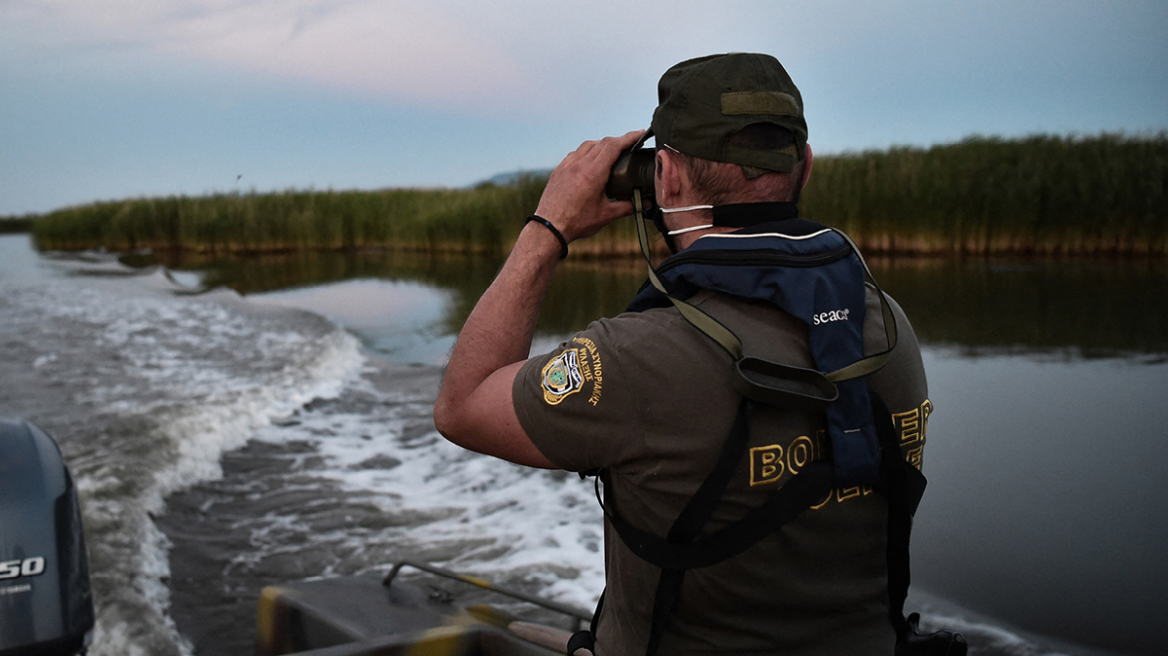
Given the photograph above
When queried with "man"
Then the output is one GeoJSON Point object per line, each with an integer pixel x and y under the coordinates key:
{"type": "Point", "coordinates": [650, 398]}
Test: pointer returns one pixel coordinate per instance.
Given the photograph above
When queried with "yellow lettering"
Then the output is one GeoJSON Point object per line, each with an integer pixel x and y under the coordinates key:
{"type": "Point", "coordinates": [800, 453]}
{"type": "Point", "coordinates": [822, 503]}
{"type": "Point", "coordinates": [766, 464]}
{"type": "Point", "coordinates": [908, 423]}
{"type": "Point", "coordinates": [913, 426]}
{"type": "Point", "coordinates": [590, 367]}
{"type": "Point", "coordinates": [585, 368]}
{"type": "Point", "coordinates": [587, 343]}
{"type": "Point", "coordinates": [847, 493]}
{"type": "Point", "coordinates": [915, 456]}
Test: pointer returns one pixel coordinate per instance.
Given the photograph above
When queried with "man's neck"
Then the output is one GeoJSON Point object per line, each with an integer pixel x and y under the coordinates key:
{"type": "Point", "coordinates": [687, 239]}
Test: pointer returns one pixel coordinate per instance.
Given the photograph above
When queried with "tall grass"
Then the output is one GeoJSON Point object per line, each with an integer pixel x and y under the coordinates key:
{"type": "Point", "coordinates": [483, 219]}
{"type": "Point", "coordinates": [1041, 195]}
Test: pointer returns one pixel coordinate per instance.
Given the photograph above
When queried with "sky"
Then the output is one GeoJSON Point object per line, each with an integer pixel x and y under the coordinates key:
{"type": "Point", "coordinates": [109, 99]}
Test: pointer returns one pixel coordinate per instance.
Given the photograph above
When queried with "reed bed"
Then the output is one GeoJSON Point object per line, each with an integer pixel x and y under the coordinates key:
{"type": "Point", "coordinates": [1045, 195]}
{"type": "Point", "coordinates": [482, 219]}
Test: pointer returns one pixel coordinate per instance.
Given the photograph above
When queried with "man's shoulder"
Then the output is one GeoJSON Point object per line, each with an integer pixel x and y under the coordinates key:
{"type": "Point", "coordinates": [666, 329]}
{"type": "Point", "coordinates": [901, 382]}
{"type": "Point", "coordinates": [647, 328]}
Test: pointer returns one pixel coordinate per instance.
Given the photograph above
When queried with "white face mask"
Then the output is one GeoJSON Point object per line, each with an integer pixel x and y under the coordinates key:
{"type": "Point", "coordinates": [671, 210]}
{"type": "Point", "coordinates": [680, 231]}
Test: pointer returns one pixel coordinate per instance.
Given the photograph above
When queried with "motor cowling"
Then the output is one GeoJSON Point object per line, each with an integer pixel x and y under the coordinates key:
{"type": "Point", "coordinates": [46, 603]}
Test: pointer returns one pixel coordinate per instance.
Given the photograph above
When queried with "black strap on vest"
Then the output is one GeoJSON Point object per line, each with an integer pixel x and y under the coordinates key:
{"type": "Point", "coordinates": [686, 548]}
{"type": "Point", "coordinates": [694, 516]}
{"type": "Point", "coordinates": [903, 485]}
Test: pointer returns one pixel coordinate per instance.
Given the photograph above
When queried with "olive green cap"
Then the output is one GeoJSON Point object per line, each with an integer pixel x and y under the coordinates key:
{"type": "Point", "coordinates": [703, 102]}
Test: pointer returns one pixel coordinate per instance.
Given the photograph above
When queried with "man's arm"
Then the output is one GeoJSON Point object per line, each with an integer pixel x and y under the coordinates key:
{"type": "Point", "coordinates": [474, 407]}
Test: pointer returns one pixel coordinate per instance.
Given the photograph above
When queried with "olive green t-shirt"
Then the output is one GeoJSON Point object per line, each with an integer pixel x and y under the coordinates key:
{"type": "Point", "coordinates": [650, 398]}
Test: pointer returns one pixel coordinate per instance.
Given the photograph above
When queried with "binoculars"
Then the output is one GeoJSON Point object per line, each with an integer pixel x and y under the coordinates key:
{"type": "Point", "coordinates": [632, 170]}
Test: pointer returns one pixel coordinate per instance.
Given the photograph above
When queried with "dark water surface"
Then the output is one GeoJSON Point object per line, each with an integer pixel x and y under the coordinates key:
{"type": "Point", "coordinates": [1050, 427]}
{"type": "Point", "coordinates": [1042, 531]}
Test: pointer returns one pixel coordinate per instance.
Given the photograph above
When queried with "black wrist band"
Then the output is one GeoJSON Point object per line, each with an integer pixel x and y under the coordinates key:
{"type": "Point", "coordinates": [560, 236]}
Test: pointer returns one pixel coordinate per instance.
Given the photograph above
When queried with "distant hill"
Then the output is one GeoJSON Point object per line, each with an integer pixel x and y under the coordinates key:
{"type": "Point", "coordinates": [10, 224]}
{"type": "Point", "coordinates": [505, 179]}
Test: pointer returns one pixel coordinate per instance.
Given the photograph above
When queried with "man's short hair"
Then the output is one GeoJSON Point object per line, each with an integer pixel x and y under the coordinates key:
{"type": "Point", "coordinates": [720, 183]}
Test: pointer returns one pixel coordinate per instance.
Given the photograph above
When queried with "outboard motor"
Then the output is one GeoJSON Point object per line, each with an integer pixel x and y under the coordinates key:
{"type": "Point", "coordinates": [46, 606]}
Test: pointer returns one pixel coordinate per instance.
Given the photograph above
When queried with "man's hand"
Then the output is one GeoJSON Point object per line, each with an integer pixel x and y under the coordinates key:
{"type": "Point", "coordinates": [574, 199]}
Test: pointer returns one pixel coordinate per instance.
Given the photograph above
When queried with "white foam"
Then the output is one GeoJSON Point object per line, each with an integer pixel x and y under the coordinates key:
{"type": "Point", "coordinates": [989, 635]}
{"type": "Point", "coordinates": [176, 380]}
{"type": "Point", "coordinates": [512, 520]}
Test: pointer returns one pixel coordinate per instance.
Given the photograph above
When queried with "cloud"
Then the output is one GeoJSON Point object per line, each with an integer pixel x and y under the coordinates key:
{"type": "Point", "coordinates": [401, 51]}
{"type": "Point", "coordinates": [521, 58]}
{"type": "Point", "coordinates": [416, 53]}
{"type": "Point", "coordinates": [873, 73]}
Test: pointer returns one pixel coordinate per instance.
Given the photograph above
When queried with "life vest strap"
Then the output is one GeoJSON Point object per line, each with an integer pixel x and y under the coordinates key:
{"type": "Point", "coordinates": [686, 548]}
{"type": "Point", "coordinates": [700, 320]}
{"type": "Point", "coordinates": [784, 386]}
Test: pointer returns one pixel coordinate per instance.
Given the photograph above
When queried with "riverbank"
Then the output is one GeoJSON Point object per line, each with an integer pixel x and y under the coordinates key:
{"type": "Point", "coordinates": [1041, 195]}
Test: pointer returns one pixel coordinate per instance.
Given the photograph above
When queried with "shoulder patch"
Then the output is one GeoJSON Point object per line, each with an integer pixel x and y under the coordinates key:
{"type": "Point", "coordinates": [572, 370]}
{"type": "Point", "coordinates": [561, 377]}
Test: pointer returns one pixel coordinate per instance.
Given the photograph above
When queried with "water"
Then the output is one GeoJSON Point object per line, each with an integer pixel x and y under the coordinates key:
{"type": "Point", "coordinates": [145, 388]}
{"type": "Point", "coordinates": [1045, 504]}
{"type": "Point", "coordinates": [224, 442]}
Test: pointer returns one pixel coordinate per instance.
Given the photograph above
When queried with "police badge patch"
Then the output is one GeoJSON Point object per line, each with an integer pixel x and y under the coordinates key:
{"type": "Point", "coordinates": [561, 377]}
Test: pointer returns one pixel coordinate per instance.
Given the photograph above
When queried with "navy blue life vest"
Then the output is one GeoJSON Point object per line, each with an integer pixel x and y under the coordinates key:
{"type": "Point", "coordinates": [812, 273]}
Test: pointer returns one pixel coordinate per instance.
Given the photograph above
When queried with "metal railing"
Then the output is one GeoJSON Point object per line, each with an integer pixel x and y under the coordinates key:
{"type": "Point", "coordinates": [580, 617]}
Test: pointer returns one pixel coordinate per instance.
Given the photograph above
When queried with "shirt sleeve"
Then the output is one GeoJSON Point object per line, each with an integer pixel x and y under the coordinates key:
{"type": "Point", "coordinates": [577, 404]}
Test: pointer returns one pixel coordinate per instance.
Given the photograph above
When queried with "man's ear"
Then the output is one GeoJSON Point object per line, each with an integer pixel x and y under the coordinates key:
{"type": "Point", "coordinates": [806, 168]}
{"type": "Point", "coordinates": [667, 178]}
